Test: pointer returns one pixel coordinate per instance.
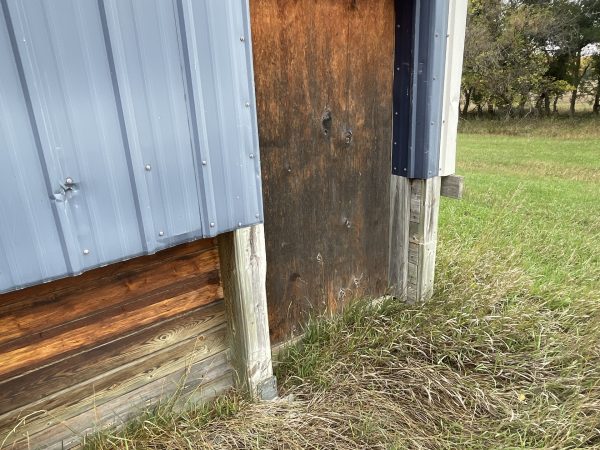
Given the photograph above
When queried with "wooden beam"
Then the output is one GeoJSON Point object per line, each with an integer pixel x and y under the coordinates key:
{"type": "Point", "coordinates": [453, 186]}
{"type": "Point", "coordinates": [423, 227]}
{"type": "Point", "coordinates": [399, 222]}
{"type": "Point", "coordinates": [413, 237]}
{"type": "Point", "coordinates": [243, 271]}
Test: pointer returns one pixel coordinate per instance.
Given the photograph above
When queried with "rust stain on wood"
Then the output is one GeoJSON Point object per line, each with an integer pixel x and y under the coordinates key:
{"type": "Point", "coordinates": [323, 73]}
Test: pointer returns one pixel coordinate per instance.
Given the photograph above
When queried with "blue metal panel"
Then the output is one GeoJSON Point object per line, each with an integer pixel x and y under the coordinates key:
{"type": "Point", "coordinates": [126, 127]}
{"type": "Point", "coordinates": [419, 86]}
{"type": "Point", "coordinates": [30, 243]}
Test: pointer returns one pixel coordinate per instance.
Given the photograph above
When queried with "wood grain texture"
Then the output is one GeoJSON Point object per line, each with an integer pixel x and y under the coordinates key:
{"type": "Point", "coordinates": [102, 297]}
{"type": "Point", "coordinates": [323, 72]}
{"type": "Point", "coordinates": [93, 393]}
{"type": "Point", "coordinates": [40, 384]}
{"type": "Point", "coordinates": [244, 267]}
{"type": "Point", "coordinates": [423, 231]}
{"type": "Point", "coordinates": [199, 381]}
{"type": "Point", "coordinates": [399, 242]}
{"type": "Point", "coordinates": [52, 293]}
{"type": "Point", "coordinates": [131, 317]}
{"type": "Point", "coordinates": [72, 346]}
{"type": "Point", "coordinates": [453, 186]}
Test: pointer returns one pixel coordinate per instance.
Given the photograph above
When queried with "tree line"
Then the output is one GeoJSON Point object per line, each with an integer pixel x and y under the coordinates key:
{"type": "Point", "coordinates": [524, 56]}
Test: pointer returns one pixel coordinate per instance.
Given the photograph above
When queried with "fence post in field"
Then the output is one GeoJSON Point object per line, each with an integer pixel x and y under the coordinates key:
{"type": "Point", "coordinates": [243, 271]}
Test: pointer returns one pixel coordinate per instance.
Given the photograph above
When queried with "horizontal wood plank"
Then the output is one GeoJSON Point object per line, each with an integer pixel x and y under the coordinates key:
{"type": "Point", "coordinates": [28, 388]}
{"type": "Point", "coordinates": [101, 297]}
{"type": "Point", "coordinates": [107, 387]}
{"type": "Point", "coordinates": [23, 299]}
{"type": "Point", "coordinates": [44, 351]}
{"type": "Point", "coordinates": [200, 381]}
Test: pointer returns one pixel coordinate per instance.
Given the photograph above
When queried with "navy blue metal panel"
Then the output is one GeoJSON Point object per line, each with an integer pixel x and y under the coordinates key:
{"type": "Point", "coordinates": [421, 40]}
{"type": "Point", "coordinates": [125, 127]}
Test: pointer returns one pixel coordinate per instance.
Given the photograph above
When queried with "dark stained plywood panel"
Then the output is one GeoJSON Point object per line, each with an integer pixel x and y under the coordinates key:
{"type": "Point", "coordinates": [323, 72]}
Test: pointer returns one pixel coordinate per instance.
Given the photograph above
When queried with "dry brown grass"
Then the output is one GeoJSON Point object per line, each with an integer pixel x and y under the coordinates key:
{"type": "Point", "coordinates": [484, 365]}
{"type": "Point", "coordinates": [507, 354]}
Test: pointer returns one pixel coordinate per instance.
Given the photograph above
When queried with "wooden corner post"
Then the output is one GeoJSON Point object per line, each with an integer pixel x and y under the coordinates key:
{"type": "Point", "coordinates": [243, 271]}
{"type": "Point", "coordinates": [413, 237]}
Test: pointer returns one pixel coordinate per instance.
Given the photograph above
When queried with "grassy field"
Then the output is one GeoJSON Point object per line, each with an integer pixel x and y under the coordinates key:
{"type": "Point", "coordinates": [507, 354]}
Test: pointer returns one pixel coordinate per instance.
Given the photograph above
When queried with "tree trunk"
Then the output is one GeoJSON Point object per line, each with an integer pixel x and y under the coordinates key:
{"type": "Point", "coordinates": [479, 109]}
{"type": "Point", "coordinates": [538, 105]}
{"type": "Point", "coordinates": [468, 93]}
{"type": "Point", "coordinates": [490, 108]}
{"type": "Point", "coordinates": [522, 104]}
{"type": "Point", "coordinates": [547, 104]}
{"type": "Point", "coordinates": [555, 105]}
{"type": "Point", "coordinates": [573, 102]}
{"type": "Point", "coordinates": [577, 77]}
{"type": "Point", "coordinates": [597, 98]}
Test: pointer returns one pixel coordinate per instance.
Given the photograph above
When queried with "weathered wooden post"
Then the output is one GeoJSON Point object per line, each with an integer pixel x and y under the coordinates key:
{"type": "Point", "coordinates": [244, 271]}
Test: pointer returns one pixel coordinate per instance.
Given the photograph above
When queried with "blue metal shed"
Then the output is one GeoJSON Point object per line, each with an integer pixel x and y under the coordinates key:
{"type": "Point", "coordinates": [125, 128]}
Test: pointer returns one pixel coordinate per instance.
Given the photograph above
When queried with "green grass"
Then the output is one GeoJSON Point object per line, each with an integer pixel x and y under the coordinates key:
{"type": "Point", "coordinates": [549, 191]}
{"type": "Point", "coordinates": [506, 355]}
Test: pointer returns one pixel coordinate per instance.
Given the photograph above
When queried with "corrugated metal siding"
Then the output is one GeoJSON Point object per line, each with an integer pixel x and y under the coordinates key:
{"type": "Point", "coordinates": [147, 106]}
{"type": "Point", "coordinates": [419, 87]}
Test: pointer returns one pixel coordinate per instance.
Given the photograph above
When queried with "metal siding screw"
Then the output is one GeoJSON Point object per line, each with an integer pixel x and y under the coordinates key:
{"type": "Point", "coordinates": [148, 167]}
{"type": "Point", "coordinates": [86, 252]}
{"type": "Point", "coordinates": [239, 224]}
{"type": "Point", "coordinates": [204, 163]}
{"type": "Point", "coordinates": [251, 156]}
{"type": "Point", "coordinates": [69, 181]}
{"type": "Point", "coordinates": [242, 38]}
{"type": "Point", "coordinates": [257, 216]}
{"type": "Point", "coordinates": [247, 104]}
{"type": "Point", "coordinates": [212, 224]}
{"type": "Point", "coordinates": [161, 233]}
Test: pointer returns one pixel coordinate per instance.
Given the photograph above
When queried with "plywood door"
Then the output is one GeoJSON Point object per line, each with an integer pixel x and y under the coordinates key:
{"type": "Point", "coordinates": [323, 72]}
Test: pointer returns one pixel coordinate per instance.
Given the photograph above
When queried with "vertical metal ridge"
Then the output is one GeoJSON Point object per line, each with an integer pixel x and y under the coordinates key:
{"type": "Point", "coordinates": [35, 131]}
{"type": "Point", "coordinates": [205, 211]}
{"type": "Point", "coordinates": [123, 129]}
{"type": "Point", "coordinates": [252, 93]}
{"type": "Point", "coordinates": [417, 136]}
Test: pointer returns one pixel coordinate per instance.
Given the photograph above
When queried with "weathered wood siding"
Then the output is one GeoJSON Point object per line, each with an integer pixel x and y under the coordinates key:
{"type": "Point", "coordinates": [92, 349]}
{"type": "Point", "coordinates": [323, 72]}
